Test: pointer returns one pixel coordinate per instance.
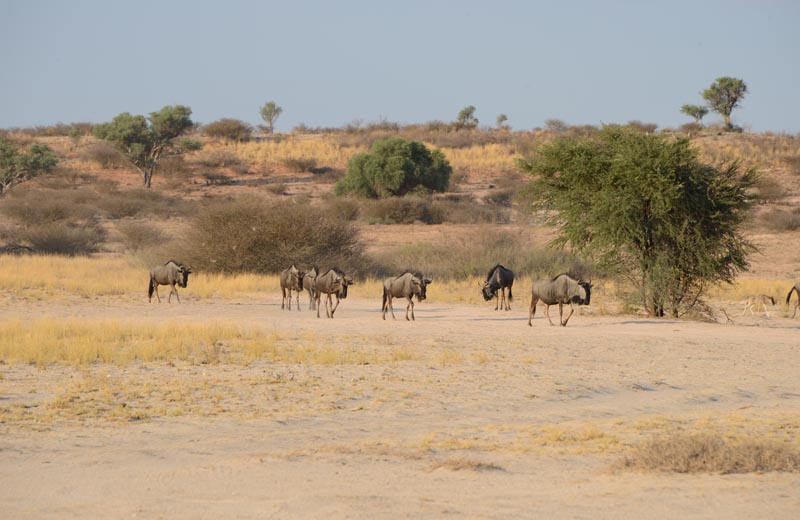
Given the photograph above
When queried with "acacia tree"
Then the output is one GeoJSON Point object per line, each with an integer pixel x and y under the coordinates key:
{"type": "Point", "coordinates": [645, 207]}
{"type": "Point", "coordinates": [466, 118]}
{"type": "Point", "coordinates": [697, 112]}
{"type": "Point", "coordinates": [724, 95]}
{"type": "Point", "coordinates": [270, 113]}
{"type": "Point", "coordinates": [17, 167]}
{"type": "Point", "coordinates": [145, 141]}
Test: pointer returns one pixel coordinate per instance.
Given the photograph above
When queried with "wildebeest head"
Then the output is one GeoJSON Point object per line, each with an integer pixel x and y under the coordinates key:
{"type": "Point", "coordinates": [488, 292]}
{"type": "Point", "coordinates": [346, 281]}
{"type": "Point", "coordinates": [300, 277]}
{"type": "Point", "coordinates": [421, 286]}
{"type": "Point", "coordinates": [183, 275]}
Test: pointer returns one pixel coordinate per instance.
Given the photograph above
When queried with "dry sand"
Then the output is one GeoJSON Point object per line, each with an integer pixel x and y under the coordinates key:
{"type": "Point", "coordinates": [465, 413]}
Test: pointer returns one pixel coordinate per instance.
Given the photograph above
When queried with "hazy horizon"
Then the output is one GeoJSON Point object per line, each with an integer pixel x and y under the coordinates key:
{"type": "Point", "coordinates": [331, 63]}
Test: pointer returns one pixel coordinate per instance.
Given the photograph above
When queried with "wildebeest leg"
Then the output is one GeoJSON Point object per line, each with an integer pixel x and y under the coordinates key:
{"type": "Point", "coordinates": [747, 305]}
{"type": "Point", "coordinates": [297, 294]}
{"type": "Point", "coordinates": [283, 297]}
{"type": "Point", "coordinates": [317, 302]}
{"type": "Point", "coordinates": [497, 302]}
{"type": "Point", "coordinates": [333, 309]}
{"type": "Point", "coordinates": [173, 290]}
{"type": "Point", "coordinates": [547, 312]}
{"type": "Point", "coordinates": [411, 306]}
{"type": "Point", "coordinates": [155, 287]}
{"type": "Point", "coordinates": [571, 310]}
{"type": "Point", "coordinates": [391, 307]}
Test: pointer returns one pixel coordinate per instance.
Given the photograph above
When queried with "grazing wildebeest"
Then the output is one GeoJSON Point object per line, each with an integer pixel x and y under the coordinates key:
{"type": "Point", "coordinates": [757, 301]}
{"type": "Point", "coordinates": [789, 297]}
{"type": "Point", "coordinates": [499, 278]}
{"type": "Point", "coordinates": [291, 280]}
{"type": "Point", "coordinates": [309, 282]}
{"type": "Point", "coordinates": [406, 286]}
{"type": "Point", "coordinates": [334, 282]}
{"type": "Point", "coordinates": [171, 273]}
{"type": "Point", "coordinates": [560, 290]}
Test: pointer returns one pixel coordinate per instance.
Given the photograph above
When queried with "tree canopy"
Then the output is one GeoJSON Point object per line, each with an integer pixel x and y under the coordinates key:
{"type": "Point", "coordinates": [644, 206]}
{"type": "Point", "coordinates": [724, 95]}
{"type": "Point", "coordinates": [17, 167]}
{"type": "Point", "coordinates": [395, 166]}
{"type": "Point", "coordinates": [145, 141]}
{"type": "Point", "coordinates": [696, 112]}
{"type": "Point", "coordinates": [270, 113]}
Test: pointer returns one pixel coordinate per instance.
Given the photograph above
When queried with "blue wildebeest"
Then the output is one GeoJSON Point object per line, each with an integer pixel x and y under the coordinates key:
{"type": "Point", "coordinates": [309, 283]}
{"type": "Point", "coordinates": [560, 290]}
{"type": "Point", "coordinates": [407, 285]}
{"type": "Point", "coordinates": [172, 273]}
{"type": "Point", "coordinates": [291, 280]}
{"type": "Point", "coordinates": [498, 279]}
{"type": "Point", "coordinates": [332, 283]}
{"type": "Point", "coordinates": [789, 297]}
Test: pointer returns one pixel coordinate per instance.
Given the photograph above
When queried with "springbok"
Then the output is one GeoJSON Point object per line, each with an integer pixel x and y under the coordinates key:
{"type": "Point", "coordinates": [291, 279]}
{"type": "Point", "coordinates": [560, 290]}
{"type": "Point", "coordinates": [498, 279]}
{"type": "Point", "coordinates": [757, 301]}
{"type": "Point", "coordinates": [334, 282]}
{"type": "Point", "coordinates": [406, 286]}
{"type": "Point", "coordinates": [789, 297]}
{"type": "Point", "coordinates": [172, 273]}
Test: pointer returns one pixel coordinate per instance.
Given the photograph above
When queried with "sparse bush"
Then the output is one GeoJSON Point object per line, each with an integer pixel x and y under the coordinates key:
{"type": "Point", "coordinates": [217, 179]}
{"type": "Point", "coordinates": [705, 453]}
{"type": "Point", "coordinates": [104, 155]}
{"type": "Point", "coordinates": [277, 188]}
{"type": "Point", "coordinates": [138, 235]}
{"type": "Point", "coordinates": [792, 164]}
{"type": "Point", "coordinates": [217, 159]}
{"type": "Point", "coordinates": [61, 238]}
{"type": "Point", "coordinates": [36, 208]}
{"type": "Point", "coordinates": [344, 208]}
{"type": "Point", "coordinates": [556, 125]}
{"type": "Point", "coordinates": [647, 128]}
{"type": "Point", "coordinates": [250, 234]}
{"type": "Point", "coordinates": [131, 203]}
{"type": "Point", "coordinates": [227, 128]}
{"type": "Point", "coordinates": [501, 197]}
{"type": "Point", "coordinates": [300, 164]}
{"type": "Point", "coordinates": [780, 220]}
{"type": "Point", "coordinates": [768, 189]}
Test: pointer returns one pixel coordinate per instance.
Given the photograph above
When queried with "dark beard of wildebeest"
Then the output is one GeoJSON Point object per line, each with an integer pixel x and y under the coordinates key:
{"type": "Point", "coordinates": [406, 286]}
{"type": "Point", "coordinates": [332, 283]}
{"type": "Point", "coordinates": [789, 297]}
{"type": "Point", "coordinates": [560, 290]}
{"type": "Point", "coordinates": [309, 283]}
{"type": "Point", "coordinates": [172, 273]}
{"type": "Point", "coordinates": [498, 279]}
{"type": "Point", "coordinates": [291, 279]}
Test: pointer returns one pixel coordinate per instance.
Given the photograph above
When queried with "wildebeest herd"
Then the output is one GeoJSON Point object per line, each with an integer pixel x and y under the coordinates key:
{"type": "Point", "coordinates": [561, 290]}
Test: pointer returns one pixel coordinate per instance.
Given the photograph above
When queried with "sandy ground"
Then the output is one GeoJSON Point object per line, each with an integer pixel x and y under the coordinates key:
{"type": "Point", "coordinates": [465, 413]}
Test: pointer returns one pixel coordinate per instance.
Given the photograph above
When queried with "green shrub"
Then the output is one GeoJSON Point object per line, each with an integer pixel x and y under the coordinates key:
{"type": "Point", "coordinates": [395, 167]}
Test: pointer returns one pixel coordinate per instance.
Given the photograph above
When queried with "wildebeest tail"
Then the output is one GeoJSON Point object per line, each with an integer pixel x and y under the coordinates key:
{"type": "Point", "coordinates": [383, 305]}
{"type": "Point", "coordinates": [150, 289]}
{"type": "Point", "coordinates": [789, 296]}
{"type": "Point", "coordinates": [510, 296]}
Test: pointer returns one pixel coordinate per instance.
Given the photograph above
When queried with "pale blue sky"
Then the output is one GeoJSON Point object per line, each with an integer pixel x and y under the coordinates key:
{"type": "Point", "coordinates": [328, 63]}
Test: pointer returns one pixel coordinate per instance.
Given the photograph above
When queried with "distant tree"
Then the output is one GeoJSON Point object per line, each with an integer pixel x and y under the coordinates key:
{"type": "Point", "coordinates": [270, 113]}
{"type": "Point", "coordinates": [645, 207]}
{"type": "Point", "coordinates": [556, 125]}
{"type": "Point", "coordinates": [145, 141]}
{"type": "Point", "coordinates": [698, 112]}
{"type": "Point", "coordinates": [501, 121]}
{"type": "Point", "coordinates": [395, 166]}
{"type": "Point", "coordinates": [466, 118]}
{"type": "Point", "coordinates": [17, 167]}
{"type": "Point", "coordinates": [724, 95]}
{"type": "Point", "coordinates": [231, 129]}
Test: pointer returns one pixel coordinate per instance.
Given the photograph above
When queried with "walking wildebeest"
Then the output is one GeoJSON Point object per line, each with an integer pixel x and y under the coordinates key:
{"type": "Point", "coordinates": [310, 282]}
{"type": "Point", "coordinates": [291, 279]}
{"type": "Point", "coordinates": [406, 286]}
{"type": "Point", "coordinates": [760, 300]}
{"type": "Point", "coordinates": [789, 297]}
{"type": "Point", "coordinates": [499, 278]}
{"type": "Point", "coordinates": [334, 282]}
{"type": "Point", "coordinates": [171, 273]}
{"type": "Point", "coordinates": [560, 290]}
